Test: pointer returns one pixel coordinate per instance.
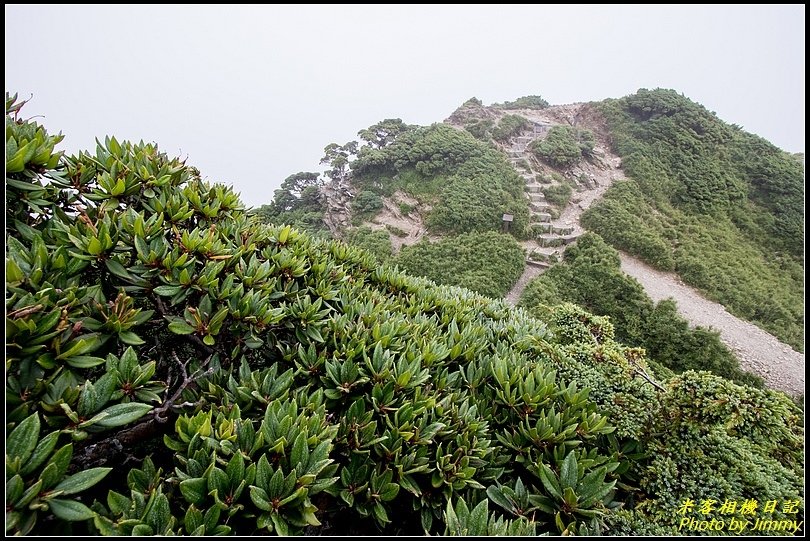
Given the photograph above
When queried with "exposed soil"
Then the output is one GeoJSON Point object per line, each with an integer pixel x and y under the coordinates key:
{"type": "Point", "coordinates": [531, 272]}
{"type": "Point", "coordinates": [405, 229]}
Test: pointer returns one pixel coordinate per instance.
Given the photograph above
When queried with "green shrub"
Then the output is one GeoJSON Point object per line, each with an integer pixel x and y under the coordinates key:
{"type": "Point", "coordinates": [564, 146]}
{"type": "Point", "coordinates": [469, 184]}
{"type": "Point", "coordinates": [477, 197]}
{"type": "Point", "coordinates": [509, 126]}
{"type": "Point", "coordinates": [385, 132]}
{"type": "Point", "coordinates": [722, 207]}
{"type": "Point", "coordinates": [297, 202]}
{"type": "Point", "coordinates": [430, 150]}
{"type": "Point", "coordinates": [586, 141]}
{"type": "Point", "coordinates": [405, 209]}
{"type": "Point", "coordinates": [423, 189]}
{"type": "Point", "coordinates": [543, 178]}
{"type": "Point", "coordinates": [558, 194]}
{"type": "Point", "coordinates": [480, 128]}
{"type": "Point", "coordinates": [378, 242]}
{"type": "Point", "coordinates": [526, 102]}
{"type": "Point", "coordinates": [523, 164]}
{"type": "Point", "coordinates": [625, 221]}
{"type": "Point", "coordinates": [251, 379]}
{"type": "Point", "coordinates": [396, 231]}
{"type": "Point", "coordinates": [366, 205]}
{"type": "Point", "coordinates": [489, 263]}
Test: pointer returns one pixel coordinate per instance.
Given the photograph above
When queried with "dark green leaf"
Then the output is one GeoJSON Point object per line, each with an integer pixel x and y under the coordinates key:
{"type": "Point", "coordinates": [496, 495]}
{"type": "Point", "coordinates": [82, 480]}
{"type": "Point", "coordinates": [477, 523]}
{"type": "Point", "coordinates": [118, 503]}
{"type": "Point", "coordinates": [130, 338]}
{"type": "Point", "coordinates": [70, 510]}
{"type": "Point", "coordinates": [236, 469]}
{"type": "Point", "coordinates": [167, 291]}
{"type": "Point", "coordinates": [218, 480]}
{"type": "Point", "coordinates": [568, 471]}
{"type": "Point", "coordinates": [549, 480]}
{"type": "Point", "coordinates": [120, 414]}
{"type": "Point", "coordinates": [193, 490]}
{"type": "Point", "coordinates": [159, 515]}
{"type": "Point", "coordinates": [179, 326]}
{"type": "Point", "coordinates": [260, 498]}
{"type": "Point", "coordinates": [23, 439]}
{"type": "Point", "coordinates": [84, 361]}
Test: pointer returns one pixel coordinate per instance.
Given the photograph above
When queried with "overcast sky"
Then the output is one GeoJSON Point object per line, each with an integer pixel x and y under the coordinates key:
{"type": "Point", "coordinates": [252, 94]}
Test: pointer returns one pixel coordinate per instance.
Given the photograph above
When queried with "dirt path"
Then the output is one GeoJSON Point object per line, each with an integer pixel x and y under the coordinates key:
{"type": "Point", "coordinates": [758, 351]}
{"type": "Point", "coordinates": [531, 272]}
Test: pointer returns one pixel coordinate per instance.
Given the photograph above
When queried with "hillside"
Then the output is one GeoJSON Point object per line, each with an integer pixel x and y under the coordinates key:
{"type": "Point", "coordinates": [581, 166]}
{"type": "Point", "coordinates": [758, 352]}
{"type": "Point", "coordinates": [175, 366]}
{"type": "Point", "coordinates": [721, 207]}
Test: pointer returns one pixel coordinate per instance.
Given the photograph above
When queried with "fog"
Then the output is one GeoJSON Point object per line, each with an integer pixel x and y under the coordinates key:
{"type": "Point", "coordinates": [251, 94]}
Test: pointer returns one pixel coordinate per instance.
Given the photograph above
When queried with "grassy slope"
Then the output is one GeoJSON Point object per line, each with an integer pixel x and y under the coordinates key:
{"type": "Point", "coordinates": [721, 207]}
{"type": "Point", "coordinates": [489, 263]}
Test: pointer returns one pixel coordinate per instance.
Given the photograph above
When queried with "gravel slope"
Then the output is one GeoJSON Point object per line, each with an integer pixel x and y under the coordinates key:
{"type": "Point", "coordinates": [758, 351]}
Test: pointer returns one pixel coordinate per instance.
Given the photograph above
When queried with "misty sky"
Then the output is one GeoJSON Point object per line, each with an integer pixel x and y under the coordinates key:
{"type": "Point", "coordinates": [253, 94]}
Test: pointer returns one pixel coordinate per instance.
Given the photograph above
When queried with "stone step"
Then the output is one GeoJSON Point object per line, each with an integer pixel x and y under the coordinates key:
{"type": "Point", "coordinates": [562, 230]}
{"type": "Point", "coordinates": [556, 240]}
{"type": "Point", "coordinates": [542, 217]}
{"type": "Point", "coordinates": [541, 264]}
{"type": "Point", "coordinates": [547, 253]}
{"type": "Point", "coordinates": [538, 255]}
{"type": "Point", "coordinates": [568, 238]}
{"type": "Point", "coordinates": [541, 228]}
{"type": "Point", "coordinates": [537, 197]}
{"type": "Point", "coordinates": [534, 188]}
{"type": "Point", "coordinates": [539, 206]}
{"type": "Point", "coordinates": [548, 241]}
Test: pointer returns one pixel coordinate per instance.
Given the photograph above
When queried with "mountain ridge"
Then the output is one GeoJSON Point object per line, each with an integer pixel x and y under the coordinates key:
{"type": "Point", "coordinates": [566, 158]}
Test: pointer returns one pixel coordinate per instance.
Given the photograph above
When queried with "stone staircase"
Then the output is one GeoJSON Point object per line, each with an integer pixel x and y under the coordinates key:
{"type": "Point", "coordinates": [548, 236]}
{"type": "Point", "coordinates": [554, 228]}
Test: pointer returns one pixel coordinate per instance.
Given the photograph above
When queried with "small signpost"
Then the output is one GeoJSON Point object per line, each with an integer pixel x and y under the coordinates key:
{"type": "Point", "coordinates": [507, 221]}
